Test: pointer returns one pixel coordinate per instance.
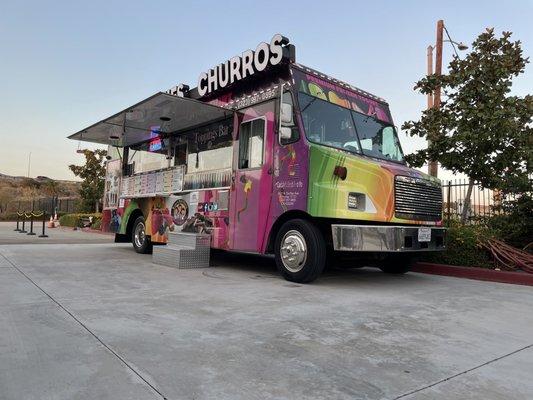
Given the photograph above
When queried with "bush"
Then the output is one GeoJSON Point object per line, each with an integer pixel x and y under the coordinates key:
{"type": "Point", "coordinates": [97, 223]}
{"type": "Point", "coordinates": [8, 217]}
{"type": "Point", "coordinates": [515, 225]}
{"type": "Point", "coordinates": [462, 247]}
{"type": "Point", "coordinates": [75, 220]}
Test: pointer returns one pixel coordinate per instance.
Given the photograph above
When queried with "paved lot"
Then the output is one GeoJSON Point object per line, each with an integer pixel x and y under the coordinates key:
{"type": "Point", "coordinates": [98, 321]}
{"type": "Point", "coordinates": [63, 235]}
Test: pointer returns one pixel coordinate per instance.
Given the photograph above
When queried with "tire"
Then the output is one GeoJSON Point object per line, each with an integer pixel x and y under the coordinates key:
{"type": "Point", "coordinates": [397, 264]}
{"type": "Point", "coordinates": [141, 242]}
{"type": "Point", "coordinates": [300, 251]}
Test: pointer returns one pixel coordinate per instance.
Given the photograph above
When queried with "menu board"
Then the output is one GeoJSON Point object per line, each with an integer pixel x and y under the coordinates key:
{"type": "Point", "coordinates": [151, 186]}
{"type": "Point", "coordinates": [158, 177]}
{"type": "Point", "coordinates": [112, 184]}
{"type": "Point", "coordinates": [176, 180]}
{"type": "Point", "coordinates": [138, 185]}
{"type": "Point", "coordinates": [153, 183]}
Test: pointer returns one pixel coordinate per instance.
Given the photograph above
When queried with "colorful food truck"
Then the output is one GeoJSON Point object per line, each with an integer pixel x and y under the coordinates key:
{"type": "Point", "coordinates": [268, 156]}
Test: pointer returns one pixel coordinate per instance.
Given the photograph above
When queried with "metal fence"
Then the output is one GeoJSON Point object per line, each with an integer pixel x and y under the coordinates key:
{"type": "Point", "coordinates": [483, 202]}
{"type": "Point", "coordinates": [61, 205]}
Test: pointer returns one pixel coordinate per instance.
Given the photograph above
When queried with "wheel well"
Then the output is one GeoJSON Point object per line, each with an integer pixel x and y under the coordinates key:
{"type": "Point", "coordinates": [131, 220]}
{"type": "Point", "coordinates": [292, 214]}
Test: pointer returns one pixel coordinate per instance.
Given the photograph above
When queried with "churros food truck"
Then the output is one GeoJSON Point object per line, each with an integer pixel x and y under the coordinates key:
{"type": "Point", "coordinates": [268, 156]}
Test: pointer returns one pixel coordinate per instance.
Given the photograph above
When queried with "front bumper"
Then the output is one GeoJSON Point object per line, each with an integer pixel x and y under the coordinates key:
{"type": "Point", "coordinates": [385, 238]}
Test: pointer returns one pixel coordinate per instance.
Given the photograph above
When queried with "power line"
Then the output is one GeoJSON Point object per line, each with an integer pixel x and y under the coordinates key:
{"type": "Point", "coordinates": [451, 41]}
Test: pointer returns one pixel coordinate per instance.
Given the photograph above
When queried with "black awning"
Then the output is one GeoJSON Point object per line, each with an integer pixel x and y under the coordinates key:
{"type": "Point", "coordinates": [161, 113]}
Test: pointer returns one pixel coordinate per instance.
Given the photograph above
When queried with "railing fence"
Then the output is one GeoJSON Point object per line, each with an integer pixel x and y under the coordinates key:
{"type": "Point", "coordinates": [50, 205]}
{"type": "Point", "coordinates": [483, 202]}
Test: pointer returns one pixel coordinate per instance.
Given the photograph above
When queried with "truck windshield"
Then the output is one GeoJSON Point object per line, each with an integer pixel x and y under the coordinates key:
{"type": "Point", "coordinates": [335, 126]}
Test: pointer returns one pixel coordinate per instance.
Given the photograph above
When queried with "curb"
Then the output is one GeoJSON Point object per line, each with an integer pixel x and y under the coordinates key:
{"type": "Point", "coordinates": [479, 274]}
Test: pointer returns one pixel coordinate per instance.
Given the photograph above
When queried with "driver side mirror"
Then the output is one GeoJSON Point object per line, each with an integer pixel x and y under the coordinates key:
{"type": "Point", "coordinates": [286, 114]}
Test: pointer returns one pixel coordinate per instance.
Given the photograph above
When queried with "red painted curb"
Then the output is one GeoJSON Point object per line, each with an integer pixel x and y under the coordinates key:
{"type": "Point", "coordinates": [480, 274]}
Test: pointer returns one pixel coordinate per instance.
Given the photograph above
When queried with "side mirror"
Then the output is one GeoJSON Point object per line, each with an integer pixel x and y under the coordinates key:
{"type": "Point", "coordinates": [286, 114]}
{"type": "Point", "coordinates": [285, 133]}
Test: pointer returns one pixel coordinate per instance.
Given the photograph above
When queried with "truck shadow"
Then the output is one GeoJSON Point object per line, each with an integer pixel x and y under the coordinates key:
{"type": "Point", "coordinates": [264, 267]}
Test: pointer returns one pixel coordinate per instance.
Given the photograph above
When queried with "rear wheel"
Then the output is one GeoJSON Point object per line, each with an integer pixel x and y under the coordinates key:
{"type": "Point", "coordinates": [141, 242]}
{"type": "Point", "coordinates": [300, 251]}
{"type": "Point", "coordinates": [396, 264]}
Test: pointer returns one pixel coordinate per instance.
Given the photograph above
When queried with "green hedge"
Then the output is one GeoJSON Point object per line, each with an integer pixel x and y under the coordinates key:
{"type": "Point", "coordinates": [74, 220]}
{"type": "Point", "coordinates": [462, 247]}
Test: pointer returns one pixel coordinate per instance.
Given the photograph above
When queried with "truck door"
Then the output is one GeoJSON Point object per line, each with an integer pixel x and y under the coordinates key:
{"type": "Point", "coordinates": [252, 180]}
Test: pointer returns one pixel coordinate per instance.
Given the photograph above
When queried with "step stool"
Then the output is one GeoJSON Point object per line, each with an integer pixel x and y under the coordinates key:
{"type": "Point", "coordinates": [184, 250]}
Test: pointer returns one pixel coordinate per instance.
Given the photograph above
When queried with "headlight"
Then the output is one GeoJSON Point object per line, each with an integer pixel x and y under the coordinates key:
{"type": "Point", "coordinates": [356, 201]}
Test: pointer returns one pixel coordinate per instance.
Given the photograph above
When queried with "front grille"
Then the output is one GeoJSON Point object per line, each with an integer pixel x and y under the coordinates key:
{"type": "Point", "coordinates": [417, 199]}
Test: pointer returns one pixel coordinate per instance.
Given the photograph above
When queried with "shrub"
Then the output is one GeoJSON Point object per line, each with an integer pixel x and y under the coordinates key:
{"type": "Point", "coordinates": [462, 247]}
{"type": "Point", "coordinates": [8, 216]}
{"type": "Point", "coordinates": [75, 220]}
{"type": "Point", "coordinates": [97, 223]}
{"type": "Point", "coordinates": [515, 225]}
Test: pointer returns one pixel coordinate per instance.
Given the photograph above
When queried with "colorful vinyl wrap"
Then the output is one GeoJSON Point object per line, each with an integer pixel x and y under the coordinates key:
{"type": "Point", "coordinates": [371, 181]}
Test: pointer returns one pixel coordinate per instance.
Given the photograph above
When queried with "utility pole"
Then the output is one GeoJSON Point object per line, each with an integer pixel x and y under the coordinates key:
{"type": "Point", "coordinates": [433, 166]}
{"type": "Point", "coordinates": [430, 72]}
{"type": "Point", "coordinates": [29, 164]}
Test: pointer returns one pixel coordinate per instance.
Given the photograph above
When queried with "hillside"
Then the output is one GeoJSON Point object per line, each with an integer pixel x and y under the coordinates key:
{"type": "Point", "coordinates": [19, 188]}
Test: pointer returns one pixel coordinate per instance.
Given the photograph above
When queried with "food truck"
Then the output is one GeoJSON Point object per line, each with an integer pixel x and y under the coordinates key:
{"type": "Point", "coordinates": [268, 156]}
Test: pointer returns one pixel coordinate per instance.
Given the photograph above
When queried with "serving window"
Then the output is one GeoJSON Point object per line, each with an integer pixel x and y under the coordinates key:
{"type": "Point", "coordinates": [210, 148]}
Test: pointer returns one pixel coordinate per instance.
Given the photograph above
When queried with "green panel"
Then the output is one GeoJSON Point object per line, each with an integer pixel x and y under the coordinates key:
{"type": "Point", "coordinates": [132, 206]}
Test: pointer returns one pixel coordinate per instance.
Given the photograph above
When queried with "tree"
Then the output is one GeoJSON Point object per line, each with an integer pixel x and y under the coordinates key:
{"type": "Point", "coordinates": [480, 129]}
{"type": "Point", "coordinates": [7, 195]}
{"type": "Point", "coordinates": [93, 175]}
{"type": "Point", "coordinates": [51, 188]}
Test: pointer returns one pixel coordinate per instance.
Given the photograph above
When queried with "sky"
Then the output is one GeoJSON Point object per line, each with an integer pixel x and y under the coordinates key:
{"type": "Point", "coordinates": [67, 64]}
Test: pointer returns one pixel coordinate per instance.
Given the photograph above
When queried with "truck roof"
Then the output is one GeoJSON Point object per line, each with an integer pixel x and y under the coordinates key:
{"type": "Point", "coordinates": [338, 82]}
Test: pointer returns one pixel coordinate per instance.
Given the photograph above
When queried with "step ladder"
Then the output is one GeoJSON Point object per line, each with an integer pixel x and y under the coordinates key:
{"type": "Point", "coordinates": [183, 250]}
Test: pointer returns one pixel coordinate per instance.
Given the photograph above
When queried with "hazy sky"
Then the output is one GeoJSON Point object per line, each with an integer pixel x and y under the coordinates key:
{"type": "Point", "coordinates": [67, 64]}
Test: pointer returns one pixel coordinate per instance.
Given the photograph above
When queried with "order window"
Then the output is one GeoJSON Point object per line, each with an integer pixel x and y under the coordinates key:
{"type": "Point", "coordinates": [251, 144]}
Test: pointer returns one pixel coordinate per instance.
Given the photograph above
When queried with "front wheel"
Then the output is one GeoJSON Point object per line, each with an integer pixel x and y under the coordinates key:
{"type": "Point", "coordinates": [300, 251]}
{"type": "Point", "coordinates": [141, 242]}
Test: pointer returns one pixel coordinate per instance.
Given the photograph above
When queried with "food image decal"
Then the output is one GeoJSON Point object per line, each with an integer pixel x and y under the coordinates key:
{"type": "Point", "coordinates": [180, 212]}
{"type": "Point", "coordinates": [161, 219]}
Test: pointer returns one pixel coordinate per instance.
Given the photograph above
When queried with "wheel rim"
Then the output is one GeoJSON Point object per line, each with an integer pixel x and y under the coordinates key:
{"type": "Point", "coordinates": [139, 236]}
{"type": "Point", "coordinates": [293, 251]}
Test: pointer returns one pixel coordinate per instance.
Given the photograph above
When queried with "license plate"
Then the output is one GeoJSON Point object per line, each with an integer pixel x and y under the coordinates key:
{"type": "Point", "coordinates": [424, 234]}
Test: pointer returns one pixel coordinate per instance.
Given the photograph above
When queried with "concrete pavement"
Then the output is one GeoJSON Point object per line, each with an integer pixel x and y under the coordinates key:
{"type": "Point", "coordinates": [63, 235]}
{"type": "Point", "coordinates": [98, 321]}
